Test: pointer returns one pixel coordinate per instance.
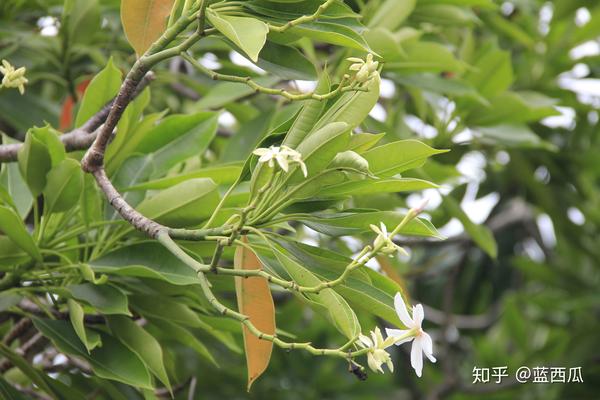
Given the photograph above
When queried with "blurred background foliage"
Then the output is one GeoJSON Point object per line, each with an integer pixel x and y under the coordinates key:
{"type": "Point", "coordinates": [511, 88]}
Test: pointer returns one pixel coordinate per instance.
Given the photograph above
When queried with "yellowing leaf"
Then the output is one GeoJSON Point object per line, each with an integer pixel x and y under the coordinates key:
{"type": "Point", "coordinates": [144, 21]}
{"type": "Point", "coordinates": [255, 301]}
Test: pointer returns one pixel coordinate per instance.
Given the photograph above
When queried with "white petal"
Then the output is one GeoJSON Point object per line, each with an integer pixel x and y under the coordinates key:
{"type": "Point", "coordinates": [416, 357]}
{"type": "Point", "coordinates": [396, 333]}
{"type": "Point", "coordinates": [427, 346]}
{"type": "Point", "coordinates": [365, 340]}
{"type": "Point", "coordinates": [374, 364]}
{"type": "Point", "coordinates": [303, 168]}
{"type": "Point", "coordinates": [282, 161]}
{"type": "Point", "coordinates": [375, 229]}
{"type": "Point", "coordinates": [402, 311]}
{"type": "Point", "coordinates": [261, 151]}
{"type": "Point", "coordinates": [418, 315]}
{"type": "Point", "coordinates": [265, 157]}
{"type": "Point", "coordinates": [355, 59]}
{"type": "Point", "coordinates": [383, 228]}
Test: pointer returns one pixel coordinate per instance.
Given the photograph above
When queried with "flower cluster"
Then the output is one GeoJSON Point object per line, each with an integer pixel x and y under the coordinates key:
{"type": "Point", "coordinates": [365, 68]}
{"type": "Point", "coordinates": [421, 341]}
{"type": "Point", "coordinates": [283, 155]}
{"type": "Point", "coordinates": [13, 78]}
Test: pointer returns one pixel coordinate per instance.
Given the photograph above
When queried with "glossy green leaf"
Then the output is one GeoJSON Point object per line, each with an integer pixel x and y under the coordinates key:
{"type": "Point", "coordinates": [396, 157]}
{"type": "Point", "coordinates": [340, 313]}
{"type": "Point", "coordinates": [40, 151]}
{"type": "Point", "coordinates": [185, 204]}
{"type": "Point", "coordinates": [64, 186]}
{"type": "Point", "coordinates": [366, 187]}
{"type": "Point", "coordinates": [391, 13]}
{"type": "Point", "coordinates": [178, 138]}
{"type": "Point", "coordinates": [146, 260]}
{"type": "Point", "coordinates": [100, 91]}
{"type": "Point", "coordinates": [421, 56]}
{"type": "Point", "coordinates": [185, 337]}
{"type": "Point", "coordinates": [352, 107]}
{"type": "Point", "coordinates": [249, 34]}
{"type": "Point", "coordinates": [111, 361]}
{"type": "Point", "coordinates": [308, 115]}
{"type": "Point", "coordinates": [351, 223]}
{"type": "Point", "coordinates": [10, 178]}
{"type": "Point", "coordinates": [13, 227]}
{"type": "Point", "coordinates": [105, 298]}
{"type": "Point", "coordinates": [10, 253]}
{"type": "Point", "coordinates": [81, 19]}
{"type": "Point", "coordinates": [286, 62]}
{"type": "Point", "coordinates": [89, 338]}
{"type": "Point", "coordinates": [141, 343]}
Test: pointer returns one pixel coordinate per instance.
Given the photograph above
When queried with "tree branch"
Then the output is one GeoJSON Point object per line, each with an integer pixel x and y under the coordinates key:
{"type": "Point", "coordinates": [80, 138]}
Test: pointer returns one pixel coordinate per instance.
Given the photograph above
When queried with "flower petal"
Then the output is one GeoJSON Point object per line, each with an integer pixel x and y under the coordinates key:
{"type": "Point", "coordinates": [402, 311]}
{"type": "Point", "coordinates": [261, 151]}
{"type": "Point", "coordinates": [365, 340]}
{"type": "Point", "coordinates": [374, 364]}
{"type": "Point", "coordinates": [427, 345]}
{"type": "Point", "coordinates": [396, 333]}
{"type": "Point", "coordinates": [416, 356]}
{"type": "Point", "coordinates": [418, 315]}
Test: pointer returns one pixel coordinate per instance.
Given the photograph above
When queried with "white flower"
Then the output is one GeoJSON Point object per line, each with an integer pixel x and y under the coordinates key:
{"type": "Point", "coordinates": [365, 68]}
{"type": "Point", "coordinates": [422, 343]}
{"type": "Point", "coordinates": [283, 155]}
{"type": "Point", "coordinates": [383, 239]}
{"type": "Point", "coordinates": [13, 78]}
{"type": "Point", "coordinates": [377, 354]}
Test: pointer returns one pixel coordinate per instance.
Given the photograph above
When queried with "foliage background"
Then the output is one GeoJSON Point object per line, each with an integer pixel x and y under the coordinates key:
{"type": "Point", "coordinates": [511, 88]}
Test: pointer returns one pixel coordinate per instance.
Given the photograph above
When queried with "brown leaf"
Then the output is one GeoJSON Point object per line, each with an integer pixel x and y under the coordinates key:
{"type": "Point", "coordinates": [144, 21]}
{"type": "Point", "coordinates": [255, 301]}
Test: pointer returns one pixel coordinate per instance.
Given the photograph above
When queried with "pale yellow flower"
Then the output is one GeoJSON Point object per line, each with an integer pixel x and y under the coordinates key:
{"type": "Point", "coordinates": [13, 78]}
{"type": "Point", "coordinates": [364, 68]}
{"type": "Point", "coordinates": [283, 155]}
{"type": "Point", "coordinates": [377, 354]}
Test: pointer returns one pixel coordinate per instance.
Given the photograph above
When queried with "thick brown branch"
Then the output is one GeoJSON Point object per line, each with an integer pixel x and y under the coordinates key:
{"type": "Point", "coordinates": [80, 138]}
{"type": "Point", "coordinates": [129, 214]}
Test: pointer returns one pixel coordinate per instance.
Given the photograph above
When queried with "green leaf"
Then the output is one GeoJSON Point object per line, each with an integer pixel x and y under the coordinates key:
{"type": "Point", "coordinates": [100, 91]}
{"type": "Point", "coordinates": [491, 62]}
{"type": "Point", "coordinates": [178, 138]}
{"type": "Point", "coordinates": [369, 186]}
{"type": "Point", "coordinates": [421, 56]}
{"type": "Point", "coordinates": [396, 157]}
{"type": "Point", "coordinates": [364, 288]}
{"type": "Point", "coordinates": [40, 152]}
{"type": "Point", "coordinates": [105, 298]}
{"type": "Point", "coordinates": [82, 19]}
{"type": "Point", "coordinates": [111, 361]}
{"type": "Point", "coordinates": [308, 115]}
{"type": "Point", "coordinates": [7, 392]}
{"type": "Point", "coordinates": [10, 253]}
{"type": "Point", "coordinates": [352, 223]}
{"type": "Point", "coordinates": [146, 260]}
{"type": "Point", "coordinates": [333, 32]}
{"type": "Point", "coordinates": [339, 312]}
{"type": "Point", "coordinates": [286, 62]}
{"type": "Point", "coordinates": [89, 338]}
{"type": "Point", "coordinates": [185, 204]}
{"type": "Point", "coordinates": [481, 234]}
{"type": "Point", "coordinates": [141, 343]}
{"type": "Point", "coordinates": [512, 135]}
{"type": "Point", "coordinates": [13, 227]}
{"type": "Point", "coordinates": [16, 187]}
{"type": "Point", "coordinates": [391, 13]}
{"type": "Point", "coordinates": [223, 174]}
{"type": "Point", "coordinates": [35, 375]}
{"type": "Point", "coordinates": [185, 337]}
{"type": "Point", "coordinates": [319, 148]}
{"type": "Point", "coordinates": [249, 34]}
{"type": "Point", "coordinates": [361, 142]}
{"type": "Point", "coordinates": [165, 308]}
{"type": "Point", "coordinates": [352, 107]}
{"type": "Point", "coordinates": [63, 187]}
{"type": "Point", "coordinates": [224, 93]}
